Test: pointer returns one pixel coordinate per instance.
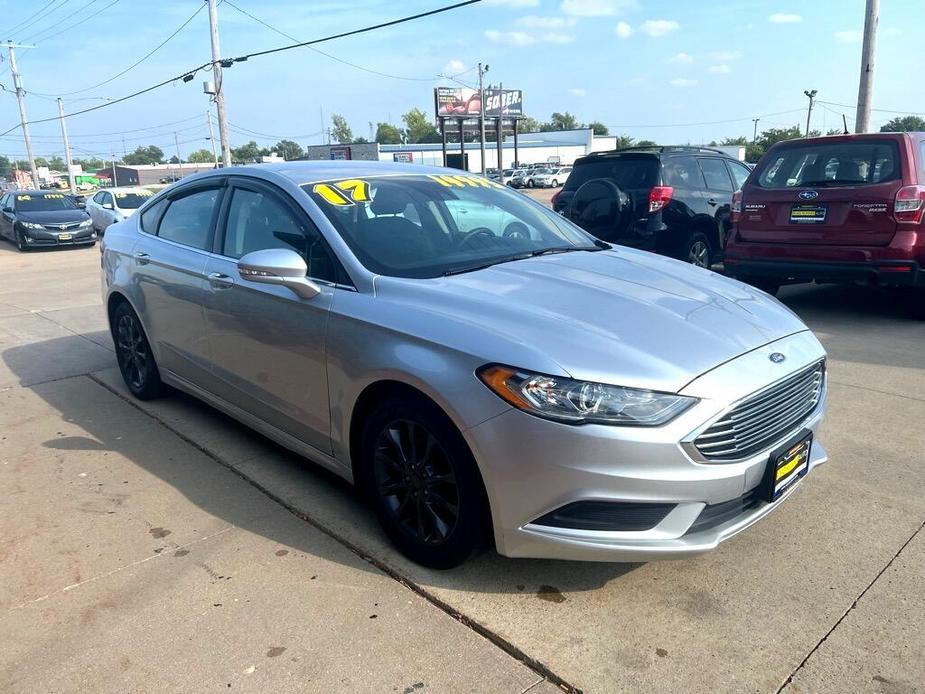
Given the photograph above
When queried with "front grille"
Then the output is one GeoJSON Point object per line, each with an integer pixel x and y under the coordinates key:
{"type": "Point", "coordinates": [606, 515]}
{"type": "Point", "coordinates": [62, 227]}
{"type": "Point", "coordinates": [764, 418]}
{"type": "Point", "coordinates": [715, 515]}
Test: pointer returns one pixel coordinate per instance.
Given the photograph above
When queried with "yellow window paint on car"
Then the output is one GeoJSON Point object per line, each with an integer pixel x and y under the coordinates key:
{"type": "Point", "coordinates": [23, 197]}
{"type": "Point", "coordinates": [331, 195]}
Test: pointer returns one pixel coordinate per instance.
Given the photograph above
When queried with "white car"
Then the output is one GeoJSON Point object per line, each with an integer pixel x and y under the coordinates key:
{"type": "Point", "coordinates": [115, 205]}
{"type": "Point", "coordinates": [552, 178]}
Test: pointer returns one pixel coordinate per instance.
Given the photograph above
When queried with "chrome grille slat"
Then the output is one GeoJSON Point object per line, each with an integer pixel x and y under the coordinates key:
{"type": "Point", "coordinates": [763, 419]}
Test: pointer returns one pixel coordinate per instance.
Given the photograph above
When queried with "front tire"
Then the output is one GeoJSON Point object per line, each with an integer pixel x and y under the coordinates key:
{"type": "Point", "coordinates": [133, 353]}
{"type": "Point", "coordinates": [424, 483]}
{"type": "Point", "coordinates": [21, 243]}
{"type": "Point", "coordinates": [555, 183]}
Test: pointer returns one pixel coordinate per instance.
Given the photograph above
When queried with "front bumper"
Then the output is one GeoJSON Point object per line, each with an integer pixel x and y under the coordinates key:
{"type": "Point", "coordinates": [42, 238]}
{"type": "Point", "coordinates": [533, 467]}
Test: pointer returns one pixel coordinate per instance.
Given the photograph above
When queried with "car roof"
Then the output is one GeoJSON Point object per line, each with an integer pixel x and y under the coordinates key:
{"type": "Point", "coordinates": [39, 193]}
{"type": "Point", "coordinates": [122, 189]}
{"type": "Point", "coordinates": [302, 172]}
{"type": "Point", "coordinates": [827, 139]}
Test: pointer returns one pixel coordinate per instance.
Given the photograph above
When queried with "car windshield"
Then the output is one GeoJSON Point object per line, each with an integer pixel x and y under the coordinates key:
{"type": "Point", "coordinates": [51, 202]}
{"type": "Point", "coordinates": [825, 164]}
{"type": "Point", "coordinates": [132, 201]}
{"type": "Point", "coordinates": [431, 225]}
{"type": "Point", "coordinates": [629, 172]}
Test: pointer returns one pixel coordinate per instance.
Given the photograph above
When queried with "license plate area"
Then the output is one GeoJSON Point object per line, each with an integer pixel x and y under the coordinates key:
{"type": "Point", "coordinates": [787, 465]}
{"type": "Point", "coordinates": [65, 237]}
{"type": "Point", "coordinates": [808, 214]}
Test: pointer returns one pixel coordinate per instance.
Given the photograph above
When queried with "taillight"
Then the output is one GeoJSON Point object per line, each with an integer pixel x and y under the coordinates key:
{"type": "Point", "coordinates": [555, 198]}
{"type": "Point", "coordinates": [736, 210]}
{"type": "Point", "coordinates": [659, 196]}
{"type": "Point", "coordinates": [910, 204]}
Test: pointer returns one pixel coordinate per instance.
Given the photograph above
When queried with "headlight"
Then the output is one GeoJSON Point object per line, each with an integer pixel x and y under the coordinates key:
{"type": "Point", "coordinates": [84, 224]}
{"type": "Point", "coordinates": [581, 402]}
{"type": "Point", "coordinates": [31, 225]}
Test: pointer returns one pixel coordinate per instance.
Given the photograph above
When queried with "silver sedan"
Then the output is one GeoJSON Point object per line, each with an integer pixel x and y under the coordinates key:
{"type": "Point", "coordinates": [486, 372]}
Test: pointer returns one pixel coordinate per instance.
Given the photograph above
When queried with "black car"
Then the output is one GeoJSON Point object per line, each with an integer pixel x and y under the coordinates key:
{"type": "Point", "coordinates": [675, 201]}
{"type": "Point", "coordinates": [34, 218]}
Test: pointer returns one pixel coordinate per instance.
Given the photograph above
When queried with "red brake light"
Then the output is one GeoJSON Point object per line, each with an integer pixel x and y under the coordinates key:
{"type": "Point", "coordinates": [736, 210]}
{"type": "Point", "coordinates": [910, 204]}
{"type": "Point", "coordinates": [659, 196]}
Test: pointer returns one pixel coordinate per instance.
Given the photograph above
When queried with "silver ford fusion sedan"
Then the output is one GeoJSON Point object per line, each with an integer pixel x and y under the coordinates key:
{"type": "Point", "coordinates": [481, 368]}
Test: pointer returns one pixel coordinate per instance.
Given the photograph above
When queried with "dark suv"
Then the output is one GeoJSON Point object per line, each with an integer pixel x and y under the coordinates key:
{"type": "Point", "coordinates": [672, 200]}
{"type": "Point", "coordinates": [829, 209]}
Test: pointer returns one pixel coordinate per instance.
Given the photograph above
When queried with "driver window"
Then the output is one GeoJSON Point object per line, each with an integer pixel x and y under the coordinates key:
{"type": "Point", "coordinates": [257, 221]}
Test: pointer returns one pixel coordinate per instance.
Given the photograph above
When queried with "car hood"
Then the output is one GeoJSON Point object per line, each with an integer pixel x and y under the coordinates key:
{"type": "Point", "coordinates": [53, 217]}
{"type": "Point", "coordinates": [619, 316]}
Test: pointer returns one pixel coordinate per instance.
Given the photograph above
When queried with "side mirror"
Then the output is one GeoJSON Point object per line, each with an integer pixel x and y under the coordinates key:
{"type": "Point", "coordinates": [8, 209]}
{"type": "Point", "coordinates": [107, 206]}
{"type": "Point", "coordinates": [81, 205]}
{"type": "Point", "coordinates": [278, 266]}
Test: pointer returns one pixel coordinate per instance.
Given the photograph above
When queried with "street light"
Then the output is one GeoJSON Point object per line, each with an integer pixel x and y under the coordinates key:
{"type": "Point", "coordinates": [809, 113]}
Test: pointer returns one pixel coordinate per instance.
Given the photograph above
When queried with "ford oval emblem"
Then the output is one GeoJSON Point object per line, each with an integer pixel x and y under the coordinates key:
{"type": "Point", "coordinates": [776, 357]}
{"type": "Point", "coordinates": [808, 195]}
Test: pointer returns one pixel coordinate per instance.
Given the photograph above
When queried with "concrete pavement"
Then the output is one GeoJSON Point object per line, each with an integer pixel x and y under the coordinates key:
{"type": "Point", "coordinates": [822, 596]}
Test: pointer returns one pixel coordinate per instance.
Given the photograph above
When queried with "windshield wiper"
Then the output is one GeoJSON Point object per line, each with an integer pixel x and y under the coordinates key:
{"type": "Point", "coordinates": [482, 266]}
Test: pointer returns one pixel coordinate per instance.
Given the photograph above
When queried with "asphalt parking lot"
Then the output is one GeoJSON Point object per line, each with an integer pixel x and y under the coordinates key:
{"type": "Point", "coordinates": [162, 547]}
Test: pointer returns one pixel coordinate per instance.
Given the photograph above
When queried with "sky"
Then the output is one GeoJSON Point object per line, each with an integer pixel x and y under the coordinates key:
{"type": "Point", "coordinates": [674, 71]}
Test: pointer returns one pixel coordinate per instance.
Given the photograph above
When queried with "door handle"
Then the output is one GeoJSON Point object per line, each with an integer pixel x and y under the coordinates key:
{"type": "Point", "coordinates": [712, 201]}
{"type": "Point", "coordinates": [142, 258]}
{"type": "Point", "coordinates": [219, 280]}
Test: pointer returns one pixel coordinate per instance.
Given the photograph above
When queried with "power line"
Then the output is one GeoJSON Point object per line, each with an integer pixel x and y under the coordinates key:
{"type": "Point", "coordinates": [190, 74]}
{"type": "Point", "coordinates": [879, 110]}
{"type": "Point", "coordinates": [15, 27]}
{"type": "Point", "coordinates": [31, 37]}
{"type": "Point", "coordinates": [334, 57]}
{"type": "Point", "coordinates": [244, 131]}
{"type": "Point", "coordinates": [714, 122]}
{"type": "Point", "coordinates": [133, 65]}
{"type": "Point", "coordinates": [77, 24]}
{"type": "Point", "coordinates": [23, 27]}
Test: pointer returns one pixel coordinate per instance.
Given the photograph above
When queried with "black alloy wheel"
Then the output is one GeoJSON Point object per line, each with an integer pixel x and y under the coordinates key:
{"type": "Point", "coordinates": [424, 483]}
{"type": "Point", "coordinates": [133, 353]}
{"type": "Point", "coordinates": [698, 251]}
{"type": "Point", "coordinates": [21, 242]}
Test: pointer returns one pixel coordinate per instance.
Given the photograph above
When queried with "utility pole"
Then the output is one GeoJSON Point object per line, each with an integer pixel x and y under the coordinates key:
{"type": "Point", "coordinates": [809, 112]}
{"type": "Point", "coordinates": [179, 158]}
{"type": "Point", "coordinates": [868, 49]}
{"type": "Point", "coordinates": [115, 182]}
{"type": "Point", "coordinates": [481, 116]}
{"type": "Point", "coordinates": [212, 138]}
{"type": "Point", "coordinates": [67, 147]}
{"type": "Point", "coordinates": [20, 94]}
{"type": "Point", "coordinates": [755, 132]}
{"type": "Point", "coordinates": [217, 75]}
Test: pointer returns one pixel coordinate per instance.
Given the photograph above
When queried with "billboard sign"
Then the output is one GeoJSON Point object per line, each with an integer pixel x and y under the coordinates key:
{"type": "Point", "coordinates": [452, 102]}
{"type": "Point", "coordinates": [403, 157]}
{"type": "Point", "coordinates": [340, 153]}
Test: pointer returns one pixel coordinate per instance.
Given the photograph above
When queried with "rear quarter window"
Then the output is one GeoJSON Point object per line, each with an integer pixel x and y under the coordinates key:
{"type": "Point", "coordinates": [151, 216]}
{"type": "Point", "coordinates": [631, 172]}
{"type": "Point", "coordinates": [840, 163]}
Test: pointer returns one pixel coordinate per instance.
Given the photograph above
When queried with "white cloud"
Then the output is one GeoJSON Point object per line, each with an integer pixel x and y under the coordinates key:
{"type": "Point", "coordinates": [720, 69]}
{"type": "Point", "coordinates": [578, 91]}
{"type": "Point", "coordinates": [683, 82]}
{"type": "Point", "coordinates": [455, 67]}
{"type": "Point", "coordinates": [659, 27]}
{"type": "Point", "coordinates": [783, 18]}
{"type": "Point", "coordinates": [532, 21]}
{"type": "Point", "coordinates": [724, 56]}
{"type": "Point", "coordinates": [521, 39]}
{"type": "Point", "coordinates": [596, 8]}
{"type": "Point", "coordinates": [849, 36]}
{"type": "Point", "coordinates": [681, 59]}
{"type": "Point", "coordinates": [624, 30]}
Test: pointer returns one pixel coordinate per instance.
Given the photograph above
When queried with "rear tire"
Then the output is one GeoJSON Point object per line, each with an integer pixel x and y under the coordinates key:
{"type": "Point", "coordinates": [697, 251]}
{"type": "Point", "coordinates": [424, 483]}
{"type": "Point", "coordinates": [555, 183]}
{"type": "Point", "coordinates": [769, 285]}
{"type": "Point", "coordinates": [133, 353]}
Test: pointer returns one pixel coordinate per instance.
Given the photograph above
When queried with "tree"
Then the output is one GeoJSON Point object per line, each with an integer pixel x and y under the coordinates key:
{"type": "Point", "coordinates": [174, 160]}
{"type": "Point", "coordinates": [835, 131]}
{"type": "Point", "coordinates": [387, 134]}
{"type": "Point", "coordinates": [647, 143]}
{"type": "Point", "coordinates": [624, 141]}
{"type": "Point", "coordinates": [360, 141]}
{"type": "Point", "coordinates": [56, 163]}
{"type": "Point", "coordinates": [528, 125]}
{"type": "Point", "coordinates": [341, 132]}
{"type": "Point", "coordinates": [144, 155]}
{"type": "Point", "coordinates": [754, 151]}
{"type": "Point", "coordinates": [40, 161]}
{"type": "Point", "coordinates": [732, 141]}
{"type": "Point", "coordinates": [289, 150]}
{"type": "Point", "coordinates": [201, 156]}
{"type": "Point", "coordinates": [246, 153]}
{"type": "Point", "coordinates": [90, 164]}
{"type": "Point", "coordinates": [904, 124]}
{"type": "Point", "coordinates": [418, 128]}
{"type": "Point", "coordinates": [598, 128]}
{"type": "Point", "coordinates": [560, 121]}
{"type": "Point", "coordinates": [5, 166]}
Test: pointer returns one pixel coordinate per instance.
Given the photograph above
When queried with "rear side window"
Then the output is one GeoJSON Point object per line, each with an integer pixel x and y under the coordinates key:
{"type": "Point", "coordinates": [151, 216]}
{"type": "Point", "coordinates": [628, 172]}
{"type": "Point", "coordinates": [682, 172]}
{"type": "Point", "coordinates": [845, 163]}
{"type": "Point", "coordinates": [715, 175]}
{"type": "Point", "coordinates": [188, 219]}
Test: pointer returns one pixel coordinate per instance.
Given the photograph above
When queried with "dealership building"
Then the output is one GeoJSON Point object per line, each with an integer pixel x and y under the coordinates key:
{"type": "Point", "coordinates": [557, 147]}
{"type": "Point", "coordinates": [149, 174]}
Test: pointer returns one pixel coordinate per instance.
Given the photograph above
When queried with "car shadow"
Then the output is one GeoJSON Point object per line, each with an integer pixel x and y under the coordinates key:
{"type": "Point", "coordinates": [308, 490]}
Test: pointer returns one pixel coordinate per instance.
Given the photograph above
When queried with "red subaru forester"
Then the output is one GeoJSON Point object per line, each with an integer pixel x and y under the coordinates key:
{"type": "Point", "coordinates": [833, 209]}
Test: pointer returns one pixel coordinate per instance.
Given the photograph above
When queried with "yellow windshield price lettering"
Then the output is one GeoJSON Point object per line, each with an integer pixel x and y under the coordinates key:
{"type": "Point", "coordinates": [359, 190]}
{"type": "Point", "coordinates": [331, 195]}
{"type": "Point", "coordinates": [54, 196]}
{"type": "Point", "coordinates": [451, 181]}
{"type": "Point", "coordinates": [23, 197]}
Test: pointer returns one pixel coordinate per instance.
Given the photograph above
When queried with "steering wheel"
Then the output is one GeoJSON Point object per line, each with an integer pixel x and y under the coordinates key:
{"type": "Point", "coordinates": [517, 231]}
{"type": "Point", "coordinates": [477, 233]}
